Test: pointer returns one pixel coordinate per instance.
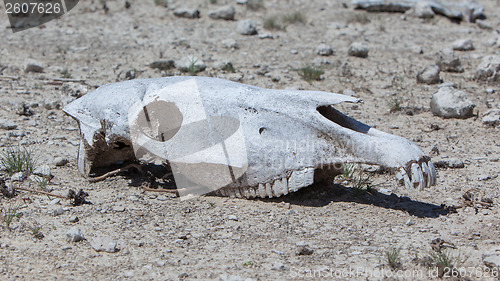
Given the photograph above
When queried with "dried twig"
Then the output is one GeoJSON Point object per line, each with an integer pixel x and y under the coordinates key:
{"type": "Point", "coordinates": [8, 77]}
{"type": "Point", "coordinates": [112, 173]}
{"type": "Point", "coordinates": [41, 192]}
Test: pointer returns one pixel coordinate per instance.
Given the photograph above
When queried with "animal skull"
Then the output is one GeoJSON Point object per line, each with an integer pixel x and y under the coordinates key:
{"type": "Point", "coordinates": [235, 139]}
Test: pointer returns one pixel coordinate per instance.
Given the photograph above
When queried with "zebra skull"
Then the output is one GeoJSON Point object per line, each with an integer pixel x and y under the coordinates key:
{"type": "Point", "coordinates": [235, 139]}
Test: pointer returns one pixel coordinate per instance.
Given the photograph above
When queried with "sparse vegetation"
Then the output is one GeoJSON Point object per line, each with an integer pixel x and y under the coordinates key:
{"type": "Point", "coordinates": [163, 3]}
{"type": "Point", "coordinates": [394, 104]}
{"type": "Point", "coordinates": [65, 74]}
{"type": "Point", "coordinates": [10, 213]}
{"type": "Point", "coordinates": [310, 73]}
{"type": "Point", "coordinates": [213, 1]}
{"type": "Point", "coordinates": [192, 67]}
{"type": "Point", "coordinates": [295, 17]}
{"type": "Point", "coordinates": [359, 18]}
{"type": "Point", "coordinates": [271, 23]}
{"type": "Point", "coordinates": [392, 256]}
{"type": "Point", "coordinates": [361, 184]}
{"type": "Point", "coordinates": [446, 262]}
{"type": "Point", "coordinates": [255, 4]}
{"type": "Point", "coordinates": [36, 230]}
{"type": "Point", "coordinates": [18, 159]}
{"type": "Point", "coordinates": [349, 170]}
{"type": "Point", "coordinates": [228, 67]}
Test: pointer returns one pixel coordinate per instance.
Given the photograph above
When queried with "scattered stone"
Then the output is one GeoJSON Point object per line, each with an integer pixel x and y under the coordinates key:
{"type": "Point", "coordinates": [266, 36]}
{"type": "Point", "coordinates": [183, 12]}
{"type": "Point", "coordinates": [32, 65]}
{"type": "Point", "coordinates": [241, 2]}
{"type": "Point", "coordinates": [58, 212]}
{"type": "Point", "coordinates": [232, 218]}
{"type": "Point", "coordinates": [449, 163]}
{"type": "Point", "coordinates": [358, 50]}
{"type": "Point", "coordinates": [484, 177]}
{"type": "Point", "coordinates": [429, 75]}
{"type": "Point", "coordinates": [104, 244]}
{"type": "Point", "coordinates": [118, 209]}
{"type": "Point", "coordinates": [43, 171]}
{"type": "Point", "coordinates": [74, 219]}
{"type": "Point", "coordinates": [492, 258]}
{"type": "Point", "coordinates": [7, 125]}
{"type": "Point", "coordinates": [305, 251]}
{"type": "Point", "coordinates": [19, 176]}
{"type": "Point", "coordinates": [463, 45]}
{"type": "Point", "coordinates": [230, 43]}
{"type": "Point", "coordinates": [421, 10]}
{"type": "Point", "coordinates": [60, 161]}
{"type": "Point", "coordinates": [410, 222]}
{"type": "Point", "coordinates": [55, 202]}
{"type": "Point", "coordinates": [183, 275]}
{"type": "Point", "coordinates": [492, 117]}
{"type": "Point", "coordinates": [451, 103]}
{"type": "Point", "coordinates": [74, 89]}
{"type": "Point", "coordinates": [162, 64]}
{"type": "Point", "coordinates": [162, 198]}
{"type": "Point", "coordinates": [223, 13]}
{"type": "Point", "coordinates": [448, 61]}
{"type": "Point", "coordinates": [484, 24]}
{"type": "Point", "coordinates": [324, 50]}
{"type": "Point", "coordinates": [23, 109]}
{"type": "Point", "coordinates": [246, 27]}
{"type": "Point", "coordinates": [191, 64]}
{"type": "Point", "coordinates": [489, 69]}
{"type": "Point", "coordinates": [74, 235]}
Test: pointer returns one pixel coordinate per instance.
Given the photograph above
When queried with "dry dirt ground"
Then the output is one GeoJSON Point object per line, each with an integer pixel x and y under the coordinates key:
{"type": "Point", "coordinates": [163, 238]}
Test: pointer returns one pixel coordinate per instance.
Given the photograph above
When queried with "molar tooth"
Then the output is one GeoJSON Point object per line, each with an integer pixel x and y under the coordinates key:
{"type": "Point", "coordinates": [269, 190]}
{"type": "Point", "coordinates": [432, 171]}
{"type": "Point", "coordinates": [300, 178]}
{"type": "Point", "coordinates": [427, 175]}
{"type": "Point", "coordinates": [278, 187]}
{"type": "Point", "coordinates": [285, 185]}
{"type": "Point", "coordinates": [416, 176]}
{"type": "Point", "coordinates": [262, 191]}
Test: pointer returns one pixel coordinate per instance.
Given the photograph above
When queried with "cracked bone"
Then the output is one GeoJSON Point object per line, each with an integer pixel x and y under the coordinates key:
{"type": "Point", "coordinates": [233, 139]}
{"type": "Point", "coordinates": [468, 11]}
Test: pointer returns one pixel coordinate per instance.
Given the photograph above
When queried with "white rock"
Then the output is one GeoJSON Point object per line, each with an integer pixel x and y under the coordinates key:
{"type": "Point", "coordinates": [32, 65]}
{"type": "Point", "coordinates": [429, 75]}
{"type": "Point", "coordinates": [489, 69]}
{"type": "Point", "coordinates": [55, 202]}
{"type": "Point", "coordinates": [74, 219]}
{"type": "Point", "coordinates": [448, 61]}
{"type": "Point", "coordinates": [224, 13]}
{"type": "Point", "coordinates": [104, 244]}
{"type": "Point", "coordinates": [230, 43]}
{"type": "Point", "coordinates": [74, 235]}
{"type": "Point", "coordinates": [232, 218]}
{"type": "Point", "coordinates": [451, 103]}
{"type": "Point", "coordinates": [184, 12]}
{"type": "Point", "coordinates": [324, 50]}
{"type": "Point", "coordinates": [246, 27]}
{"type": "Point", "coordinates": [43, 171]}
{"type": "Point", "coordinates": [463, 45]}
{"type": "Point", "coordinates": [191, 63]}
{"type": "Point", "coordinates": [7, 125]}
{"type": "Point", "coordinates": [74, 89]}
{"type": "Point", "coordinates": [60, 161]}
{"type": "Point", "coordinates": [358, 50]}
{"type": "Point", "coordinates": [492, 117]}
{"type": "Point", "coordinates": [421, 10]}
{"type": "Point", "coordinates": [19, 176]}
{"type": "Point", "coordinates": [241, 2]}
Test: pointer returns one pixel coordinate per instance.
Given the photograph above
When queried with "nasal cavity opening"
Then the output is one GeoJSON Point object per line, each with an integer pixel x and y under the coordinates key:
{"type": "Point", "coordinates": [330, 113]}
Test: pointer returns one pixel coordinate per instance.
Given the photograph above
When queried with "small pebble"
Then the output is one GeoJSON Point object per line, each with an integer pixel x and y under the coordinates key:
{"type": "Point", "coordinates": [74, 235]}
{"type": "Point", "coordinates": [74, 219]}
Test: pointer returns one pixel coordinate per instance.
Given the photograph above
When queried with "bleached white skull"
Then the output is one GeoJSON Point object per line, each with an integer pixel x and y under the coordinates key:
{"type": "Point", "coordinates": [235, 139]}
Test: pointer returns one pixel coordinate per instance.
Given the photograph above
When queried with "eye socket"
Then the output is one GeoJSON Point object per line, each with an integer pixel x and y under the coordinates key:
{"type": "Point", "coordinates": [261, 130]}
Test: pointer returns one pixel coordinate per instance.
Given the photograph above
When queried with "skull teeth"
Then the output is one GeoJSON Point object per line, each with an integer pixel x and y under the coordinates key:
{"type": "Point", "coordinates": [295, 181]}
{"type": "Point", "coordinates": [419, 175]}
